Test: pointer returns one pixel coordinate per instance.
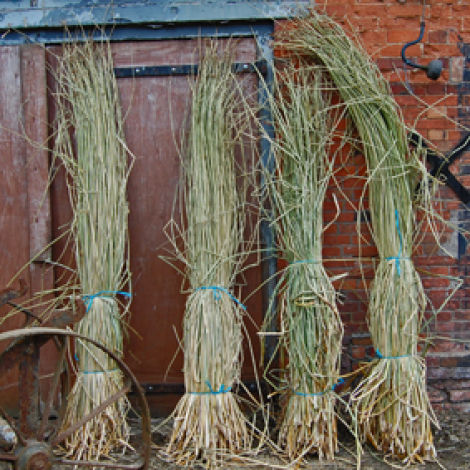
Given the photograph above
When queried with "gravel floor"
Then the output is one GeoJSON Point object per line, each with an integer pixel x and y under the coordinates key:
{"type": "Point", "coordinates": [452, 443]}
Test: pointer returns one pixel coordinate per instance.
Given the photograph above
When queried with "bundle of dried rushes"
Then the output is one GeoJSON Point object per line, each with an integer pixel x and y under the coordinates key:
{"type": "Point", "coordinates": [89, 142]}
{"type": "Point", "coordinates": [208, 421]}
{"type": "Point", "coordinates": [393, 408]}
{"type": "Point", "coordinates": [306, 123]}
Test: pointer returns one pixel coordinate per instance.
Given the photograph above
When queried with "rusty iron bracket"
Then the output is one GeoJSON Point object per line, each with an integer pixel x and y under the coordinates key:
{"type": "Point", "coordinates": [441, 163]}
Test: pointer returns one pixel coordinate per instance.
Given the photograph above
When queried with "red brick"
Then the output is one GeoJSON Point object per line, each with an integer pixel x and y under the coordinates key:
{"type": "Point", "coordinates": [394, 50]}
{"type": "Point", "coordinates": [437, 396]}
{"type": "Point", "coordinates": [437, 37]}
{"type": "Point", "coordinates": [331, 252]}
{"type": "Point", "coordinates": [406, 100]}
{"type": "Point", "coordinates": [437, 112]}
{"type": "Point", "coordinates": [447, 346]}
{"type": "Point", "coordinates": [436, 135]}
{"type": "Point", "coordinates": [365, 251]}
{"type": "Point", "coordinates": [368, 11]}
{"type": "Point", "coordinates": [349, 284]}
{"type": "Point", "coordinates": [464, 407]}
{"type": "Point", "coordinates": [432, 361]}
{"type": "Point", "coordinates": [459, 395]}
{"type": "Point", "coordinates": [358, 352]}
{"type": "Point", "coordinates": [436, 282]}
{"type": "Point", "coordinates": [372, 37]}
{"type": "Point", "coordinates": [463, 315]}
{"type": "Point", "coordinates": [363, 340]}
{"type": "Point", "coordinates": [406, 11]}
{"type": "Point", "coordinates": [448, 362]}
{"type": "Point", "coordinates": [436, 88]}
{"type": "Point", "coordinates": [444, 316]}
{"type": "Point", "coordinates": [441, 123]}
{"type": "Point", "coordinates": [400, 36]}
{"type": "Point", "coordinates": [447, 327]}
{"type": "Point", "coordinates": [358, 317]}
{"type": "Point", "coordinates": [338, 239]}
{"type": "Point", "coordinates": [450, 100]}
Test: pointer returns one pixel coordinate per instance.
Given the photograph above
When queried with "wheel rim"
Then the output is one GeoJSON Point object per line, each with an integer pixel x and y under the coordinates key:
{"type": "Point", "coordinates": [132, 382]}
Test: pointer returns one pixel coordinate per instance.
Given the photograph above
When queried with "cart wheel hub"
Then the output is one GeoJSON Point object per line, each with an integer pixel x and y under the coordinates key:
{"type": "Point", "coordinates": [34, 456]}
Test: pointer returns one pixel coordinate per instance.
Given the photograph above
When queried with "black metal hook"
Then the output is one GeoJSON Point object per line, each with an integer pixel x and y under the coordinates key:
{"type": "Point", "coordinates": [433, 69]}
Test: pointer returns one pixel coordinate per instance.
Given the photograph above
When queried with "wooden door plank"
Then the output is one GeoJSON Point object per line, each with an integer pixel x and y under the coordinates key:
{"type": "Point", "coordinates": [34, 98]}
{"type": "Point", "coordinates": [14, 231]}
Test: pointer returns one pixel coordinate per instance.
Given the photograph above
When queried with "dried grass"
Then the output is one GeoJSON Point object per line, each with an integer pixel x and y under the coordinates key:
{"type": "Point", "coordinates": [393, 408]}
{"type": "Point", "coordinates": [306, 123]}
{"type": "Point", "coordinates": [89, 142]}
{"type": "Point", "coordinates": [208, 420]}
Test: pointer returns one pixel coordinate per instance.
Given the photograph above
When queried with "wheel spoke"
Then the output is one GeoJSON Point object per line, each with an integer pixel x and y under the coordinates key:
{"type": "Point", "coordinates": [8, 457]}
{"type": "Point", "coordinates": [93, 463]}
{"type": "Point", "coordinates": [52, 392]}
{"type": "Point", "coordinates": [113, 398]}
{"type": "Point", "coordinates": [21, 339]}
{"type": "Point", "coordinates": [13, 426]}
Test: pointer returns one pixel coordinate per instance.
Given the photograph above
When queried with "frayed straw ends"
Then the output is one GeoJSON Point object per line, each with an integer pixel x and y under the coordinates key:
{"type": "Point", "coordinates": [314, 343]}
{"type": "Point", "coordinates": [98, 378]}
{"type": "Point", "coordinates": [393, 408]}
{"type": "Point", "coordinates": [208, 420]}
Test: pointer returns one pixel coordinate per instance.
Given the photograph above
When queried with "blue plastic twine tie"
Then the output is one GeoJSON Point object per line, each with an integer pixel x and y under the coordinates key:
{"type": "Point", "coordinates": [211, 391]}
{"type": "Point", "coordinates": [217, 290]}
{"type": "Point", "coordinates": [305, 261]}
{"type": "Point", "coordinates": [319, 394]}
{"type": "Point", "coordinates": [102, 293]}
{"type": "Point", "coordinates": [379, 355]}
{"type": "Point", "coordinates": [337, 384]}
{"type": "Point", "coordinates": [98, 371]}
{"type": "Point", "coordinates": [399, 257]}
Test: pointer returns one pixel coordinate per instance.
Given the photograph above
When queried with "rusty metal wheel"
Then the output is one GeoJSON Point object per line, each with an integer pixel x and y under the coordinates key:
{"type": "Point", "coordinates": [37, 439]}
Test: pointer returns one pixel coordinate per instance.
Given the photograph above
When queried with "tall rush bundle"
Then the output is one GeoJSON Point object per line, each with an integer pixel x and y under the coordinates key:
{"type": "Point", "coordinates": [305, 126]}
{"type": "Point", "coordinates": [90, 144]}
{"type": "Point", "coordinates": [208, 421]}
{"type": "Point", "coordinates": [393, 407]}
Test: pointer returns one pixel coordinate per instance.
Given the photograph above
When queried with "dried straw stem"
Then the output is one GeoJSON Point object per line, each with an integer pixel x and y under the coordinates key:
{"type": "Point", "coordinates": [90, 144]}
{"type": "Point", "coordinates": [208, 420]}
{"type": "Point", "coordinates": [392, 402]}
{"type": "Point", "coordinates": [313, 342]}
{"type": "Point", "coordinates": [305, 125]}
{"type": "Point", "coordinates": [206, 423]}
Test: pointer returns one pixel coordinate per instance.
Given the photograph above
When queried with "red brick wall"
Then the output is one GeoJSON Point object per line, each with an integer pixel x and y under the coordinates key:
{"type": "Point", "coordinates": [437, 109]}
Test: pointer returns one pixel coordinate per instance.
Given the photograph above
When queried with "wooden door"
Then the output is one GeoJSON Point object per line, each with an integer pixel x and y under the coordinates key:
{"type": "Point", "coordinates": [155, 110]}
{"type": "Point", "coordinates": [33, 214]}
{"type": "Point", "coordinates": [25, 221]}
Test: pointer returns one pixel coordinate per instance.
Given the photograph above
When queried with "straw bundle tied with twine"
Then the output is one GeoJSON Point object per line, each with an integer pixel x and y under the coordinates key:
{"type": "Point", "coordinates": [90, 144]}
{"type": "Point", "coordinates": [305, 125]}
{"type": "Point", "coordinates": [208, 421]}
{"type": "Point", "coordinates": [393, 408]}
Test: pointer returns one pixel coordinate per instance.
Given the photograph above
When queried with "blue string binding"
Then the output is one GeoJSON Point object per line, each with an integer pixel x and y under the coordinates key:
{"type": "Point", "coordinates": [379, 355]}
{"type": "Point", "coordinates": [318, 394]}
{"type": "Point", "coordinates": [399, 257]}
{"type": "Point", "coordinates": [88, 298]}
{"type": "Point", "coordinates": [216, 291]}
{"type": "Point", "coordinates": [98, 371]}
{"type": "Point", "coordinates": [305, 261]}
{"type": "Point", "coordinates": [211, 391]}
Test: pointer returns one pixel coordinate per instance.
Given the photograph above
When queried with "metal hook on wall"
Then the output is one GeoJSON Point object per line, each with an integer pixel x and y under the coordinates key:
{"type": "Point", "coordinates": [433, 69]}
